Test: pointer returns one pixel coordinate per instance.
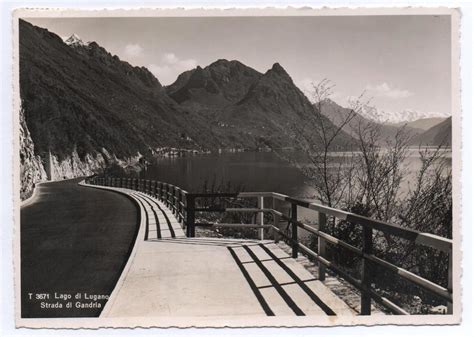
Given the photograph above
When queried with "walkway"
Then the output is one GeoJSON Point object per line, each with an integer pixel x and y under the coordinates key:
{"type": "Point", "coordinates": [170, 275]}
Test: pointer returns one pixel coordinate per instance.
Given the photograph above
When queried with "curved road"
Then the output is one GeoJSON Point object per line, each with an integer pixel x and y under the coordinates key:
{"type": "Point", "coordinates": [74, 239]}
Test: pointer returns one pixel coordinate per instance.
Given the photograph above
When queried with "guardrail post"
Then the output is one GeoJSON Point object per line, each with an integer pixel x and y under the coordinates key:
{"type": "Point", "coordinates": [179, 209]}
{"type": "Point", "coordinates": [173, 200]}
{"type": "Point", "coordinates": [450, 281]}
{"type": "Point", "coordinates": [294, 231]}
{"type": "Point", "coordinates": [260, 217]}
{"type": "Point", "coordinates": [153, 188]}
{"type": "Point", "coordinates": [322, 223]}
{"type": "Point", "coordinates": [276, 221]}
{"type": "Point", "coordinates": [366, 277]}
{"type": "Point", "coordinates": [190, 216]}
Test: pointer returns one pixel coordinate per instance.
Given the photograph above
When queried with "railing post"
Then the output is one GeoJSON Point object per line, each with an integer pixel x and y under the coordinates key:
{"type": "Point", "coordinates": [190, 217]}
{"type": "Point", "coordinates": [366, 277]}
{"type": "Point", "coordinates": [294, 231]}
{"type": "Point", "coordinates": [276, 221]}
{"type": "Point", "coordinates": [322, 223]}
{"type": "Point", "coordinates": [166, 195]}
{"type": "Point", "coordinates": [178, 204]}
{"type": "Point", "coordinates": [260, 217]}
{"type": "Point", "coordinates": [173, 199]}
{"type": "Point", "coordinates": [450, 281]}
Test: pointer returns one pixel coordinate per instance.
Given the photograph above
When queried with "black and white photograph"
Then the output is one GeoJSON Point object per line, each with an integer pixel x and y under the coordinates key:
{"type": "Point", "coordinates": [242, 168]}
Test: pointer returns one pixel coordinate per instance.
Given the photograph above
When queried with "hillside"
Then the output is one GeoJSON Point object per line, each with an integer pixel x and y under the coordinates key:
{"type": "Point", "coordinates": [337, 115]}
{"type": "Point", "coordinates": [80, 98]}
{"type": "Point", "coordinates": [244, 107]}
{"type": "Point", "coordinates": [437, 135]}
{"type": "Point", "coordinates": [423, 123]}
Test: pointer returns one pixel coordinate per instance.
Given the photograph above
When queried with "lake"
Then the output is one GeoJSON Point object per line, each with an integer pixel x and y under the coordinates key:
{"type": "Point", "coordinates": [252, 171]}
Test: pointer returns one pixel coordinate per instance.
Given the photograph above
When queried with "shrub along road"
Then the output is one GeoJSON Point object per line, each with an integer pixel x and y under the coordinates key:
{"type": "Point", "coordinates": [74, 240]}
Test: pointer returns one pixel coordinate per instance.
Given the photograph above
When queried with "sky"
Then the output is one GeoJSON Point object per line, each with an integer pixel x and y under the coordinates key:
{"type": "Point", "coordinates": [402, 63]}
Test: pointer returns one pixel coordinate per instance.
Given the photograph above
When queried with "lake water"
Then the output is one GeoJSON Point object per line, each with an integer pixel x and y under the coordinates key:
{"type": "Point", "coordinates": [250, 171]}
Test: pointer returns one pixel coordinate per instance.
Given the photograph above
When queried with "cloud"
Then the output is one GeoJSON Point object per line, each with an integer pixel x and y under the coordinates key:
{"type": "Point", "coordinates": [170, 67]}
{"type": "Point", "coordinates": [385, 90]}
{"type": "Point", "coordinates": [133, 50]}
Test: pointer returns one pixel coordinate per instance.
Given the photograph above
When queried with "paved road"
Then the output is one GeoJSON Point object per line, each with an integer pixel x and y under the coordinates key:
{"type": "Point", "coordinates": [74, 239]}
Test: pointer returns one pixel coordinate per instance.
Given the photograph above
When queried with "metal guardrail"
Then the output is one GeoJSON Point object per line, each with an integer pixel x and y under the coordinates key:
{"type": "Point", "coordinates": [183, 206]}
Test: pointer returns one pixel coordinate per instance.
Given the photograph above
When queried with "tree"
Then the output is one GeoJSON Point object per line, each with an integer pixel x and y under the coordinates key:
{"type": "Point", "coordinates": [367, 178]}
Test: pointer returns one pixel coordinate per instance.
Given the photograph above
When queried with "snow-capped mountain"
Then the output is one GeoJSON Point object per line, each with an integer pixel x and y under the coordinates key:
{"type": "Point", "coordinates": [75, 41]}
{"type": "Point", "coordinates": [394, 117]}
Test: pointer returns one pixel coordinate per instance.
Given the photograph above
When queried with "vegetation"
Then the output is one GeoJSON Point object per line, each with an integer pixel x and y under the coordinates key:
{"type": "Point", "coordinates": [367, 180]}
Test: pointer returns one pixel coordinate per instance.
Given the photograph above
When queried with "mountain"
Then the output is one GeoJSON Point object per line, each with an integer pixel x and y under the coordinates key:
{"type": "Point", "coordinates": [75, 41]}
{"type": "Point", "coordinates": [82, 108]}
{"type": "Point", "coordinates": [219, 84]}
{"type": "Point", "coordinates": [337, 114]}
{"type": "Point", "coordinates": [437, 135]}
{"type": "Point", "coordinates": [398, 117]}
{"type": "Point", "coordinates": [423, 123]}
{"type": "Point", "coordinates": [78, 98]}
{"type": "Point", "coordinates": [245, 107]}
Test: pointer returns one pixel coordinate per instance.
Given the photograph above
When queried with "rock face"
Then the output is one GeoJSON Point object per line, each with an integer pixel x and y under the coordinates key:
{"type": "Point", "coordinates": [72, 166]}
{"type": "Point", "coordinates": [35, 169]}
{"type": "Point", "coordinates": [31, 166]}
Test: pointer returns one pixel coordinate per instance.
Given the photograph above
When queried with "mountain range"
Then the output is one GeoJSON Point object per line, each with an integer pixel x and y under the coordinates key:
{"type": "Point", "coordinates": [82, 105]}
{"type": "Point", "coordinates": [423, 123]}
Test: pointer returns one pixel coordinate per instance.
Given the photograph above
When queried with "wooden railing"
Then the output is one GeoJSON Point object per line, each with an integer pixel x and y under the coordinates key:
{"type": "Point", "coordinates": [184, 207]}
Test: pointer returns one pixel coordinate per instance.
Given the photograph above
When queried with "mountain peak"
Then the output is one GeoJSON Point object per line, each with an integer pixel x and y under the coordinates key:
{"type": "Point", "coordinates": [74, 40]}
{"type": "Point", "coordinates": [279, 69]}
